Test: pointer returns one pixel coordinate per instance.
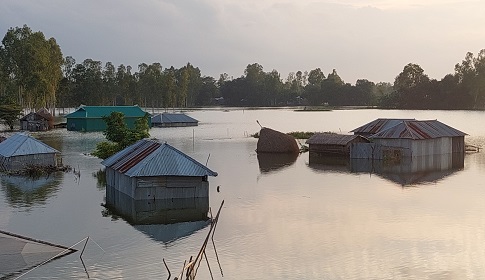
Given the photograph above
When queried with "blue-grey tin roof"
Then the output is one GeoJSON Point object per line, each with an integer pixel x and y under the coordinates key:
{"type": "Point", "coordinates": [151, 158]}
{"type": "Point", "coordinates": [173, 118]}
{"type": "Point", "coordinates": [21, 144]}
{"type": "Point", "coordinates": [377, 126]}
{"type": "Point", "coordinates": [419, 130]}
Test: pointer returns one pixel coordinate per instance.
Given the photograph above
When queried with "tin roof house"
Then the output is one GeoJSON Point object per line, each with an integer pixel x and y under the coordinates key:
{"type": "Point", "coordinates": [412, 138]}
{"type": "Point", "coordinates": [333, 144]}
{"type": "Point", "coordinates": [20, 150]}
{"type": "Point", "coordinates": [149, 169]}
{"type": "Point", "coordinates": [90, 118]}
{"type": "Point", "coordinates": [173, 120]}
{"type": "Point", "coordinates": [40, 120]}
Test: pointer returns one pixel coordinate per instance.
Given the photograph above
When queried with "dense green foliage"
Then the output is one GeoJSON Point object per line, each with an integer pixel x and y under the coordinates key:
{"type": "Point", "coordinates": [30, 67]}
{"type": "Point", "coordinates": [34, 73]}
{"type": "Point", "coordinates": [301, 134]}
{"type": "Point", "coordinates": [119, 136]}
{"type": "Point", "coordinates": [9, 114]}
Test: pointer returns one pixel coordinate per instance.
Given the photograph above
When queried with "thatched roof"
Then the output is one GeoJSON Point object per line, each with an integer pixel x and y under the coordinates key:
{"type": "Point", "coordinates": [272, 141]}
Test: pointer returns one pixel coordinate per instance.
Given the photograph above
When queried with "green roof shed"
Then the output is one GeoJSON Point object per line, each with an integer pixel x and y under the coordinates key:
{"type": "Point", "coordinates": [90, 118]}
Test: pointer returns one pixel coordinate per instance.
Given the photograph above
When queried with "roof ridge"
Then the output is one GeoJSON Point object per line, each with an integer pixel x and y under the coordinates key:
{"type": "Point", "coordinates": [152, 156]}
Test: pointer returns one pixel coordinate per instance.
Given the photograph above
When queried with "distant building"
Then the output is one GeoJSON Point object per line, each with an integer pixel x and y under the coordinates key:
{"type": "Point", "coordinates": [41, 120]}
{"type": "Point", "coordinates": [20, 150]}
{"type": "Point", "coordinates": [90, 118]}
{"type": "Point", "coordinates": [173, 119]}
{"type": "Point", "coordinates": [149, 169]}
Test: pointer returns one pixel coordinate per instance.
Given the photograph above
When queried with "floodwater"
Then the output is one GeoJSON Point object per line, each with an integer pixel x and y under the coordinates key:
{"type": "Point", "coordinates": [283, 218]}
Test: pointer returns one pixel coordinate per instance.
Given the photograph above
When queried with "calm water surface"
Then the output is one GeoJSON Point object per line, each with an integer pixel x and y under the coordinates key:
{"type": "Point", "coordinates": [281, 220]}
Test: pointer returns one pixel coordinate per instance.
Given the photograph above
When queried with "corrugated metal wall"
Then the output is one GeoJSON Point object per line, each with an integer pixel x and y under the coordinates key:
{"type": "Point", "coordinates": [405, 147]}
{"type": "Point", "coordinates": [157, 187]}
{"type": "Point", "coordinates": [171, 187]}
{"type": "Point", "coordinates": [120, 182]}
{"type": "Point", "coordinates": [20, 162]}
{"type": "Point", "coordinates": [94, 124]}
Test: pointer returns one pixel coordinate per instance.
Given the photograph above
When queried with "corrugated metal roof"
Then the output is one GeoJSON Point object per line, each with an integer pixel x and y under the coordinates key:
{"type": "Point", "coordinates": [151, 158]}
{"type": "Point", "coordinates": [101, 111]}
{"type": "Point", "coordinates": [378, 125]}
{"type": "Point", "coordinates": [331, 139]}
{"type": "Point", "coordinates": [419, 130]}
{"type": "Point", "coordinates": [21, 144]}
{"type": "Point", "coordinates": [173, 118]}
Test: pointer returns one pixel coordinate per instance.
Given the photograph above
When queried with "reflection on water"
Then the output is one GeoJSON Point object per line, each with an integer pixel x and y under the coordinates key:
{"type": "Point", "coordinates": [311, 220]}
{"type": "Point", "coordinates": [269, 162]}
{"type": "Point", "coordinates": [408, 171]}
{"type": "Point", "coordinates": [163, 220]}
{"type": "Point", "coordinates": [171, 232]}
{"type": "Point", "coordinates": [321, 162]}
{"type": "Point", "coordinates": [159, 211]}
{"type": "Point", "coordinates": [24, 191]}
{"type": "Point", "coordinates": [412, 171]}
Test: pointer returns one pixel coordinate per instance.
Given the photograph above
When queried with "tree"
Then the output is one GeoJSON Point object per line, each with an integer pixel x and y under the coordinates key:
{"type": "Point", "coordinates": [9, 114]}
{"type": "Point", "coordinates": [315, 77]}
{"type": "Point", "coordinates": [33, 64]}
{"type": "Point", "coordinates": [207, 91]}
{"type": "Point", "coordinates": [362, 94]}
{"type": "Point", "coordinates": [119, 136]}
{"type": "Point", "coordinates": [471, 78]}
{"type": "Point", "coordinates": [411, 86]}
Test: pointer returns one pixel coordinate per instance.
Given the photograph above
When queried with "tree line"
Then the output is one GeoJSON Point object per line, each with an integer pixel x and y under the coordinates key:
{"type": "Point", "coordinates": [34, 74]}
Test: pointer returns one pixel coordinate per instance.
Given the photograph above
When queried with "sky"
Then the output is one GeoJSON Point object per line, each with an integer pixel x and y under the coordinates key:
{"type": "Point", "coordinates": [361, 39]}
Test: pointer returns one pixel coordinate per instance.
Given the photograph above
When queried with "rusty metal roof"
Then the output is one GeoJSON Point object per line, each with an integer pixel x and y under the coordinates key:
{"type": "Point", "coordinates": [331, 139]}
{"type": "Point", "coordinates": [377, 126]}
{"type": "Point", "coordinates": [152, 158]}
{"type": "Point", "coordinates": [413, 129]}
{"type": "Point", "coordinates": [21, 144]}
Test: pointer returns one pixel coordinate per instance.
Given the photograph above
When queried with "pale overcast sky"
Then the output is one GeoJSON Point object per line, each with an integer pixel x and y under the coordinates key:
{"type": "Point", "coordinates": [361, 39]}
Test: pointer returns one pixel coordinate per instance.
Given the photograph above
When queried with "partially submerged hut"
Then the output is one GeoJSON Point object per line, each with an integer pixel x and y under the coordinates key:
{"type": "Point", "coordinates": [411, 138]}
{"type": "Point", "coordinates": [422, 138]}
{"type": "Point", "coordinates": [90, 118]}
{"type": "Point", "coordinates": [21, 150]}
{"type": "Point", "coordinates": [149, 169]}
{"type": "Point", "coordinates": [173, 120]}
{"type": "Point", "coordinates": [272, 141]}
{"type": "Point", "coordinates": [40, 120]}
{"type": "Point", "coordinates": [333, 144]}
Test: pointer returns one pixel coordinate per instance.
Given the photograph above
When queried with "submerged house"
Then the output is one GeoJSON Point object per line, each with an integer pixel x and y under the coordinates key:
{"type": "Point", "coordinates": [90, 118]}
{"type": "Point", "coordinates": [423, 138]}
{"type": "Point", "coordinates": [173, 120]}
{"type": "Point", "coordinates": [41, 120]}
{"type": "Point", "coordinates": [149, 169]}
{"type": "Point", "coordinates": [413, 138]}
{"type": "Point", "coordinates": [333, 144]}
{"type": "Point", "coordinates": [21, 150]}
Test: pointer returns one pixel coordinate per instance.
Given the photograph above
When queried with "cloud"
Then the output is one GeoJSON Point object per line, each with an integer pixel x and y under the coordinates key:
{"type": "Point", "coordinates": [370, 39]}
